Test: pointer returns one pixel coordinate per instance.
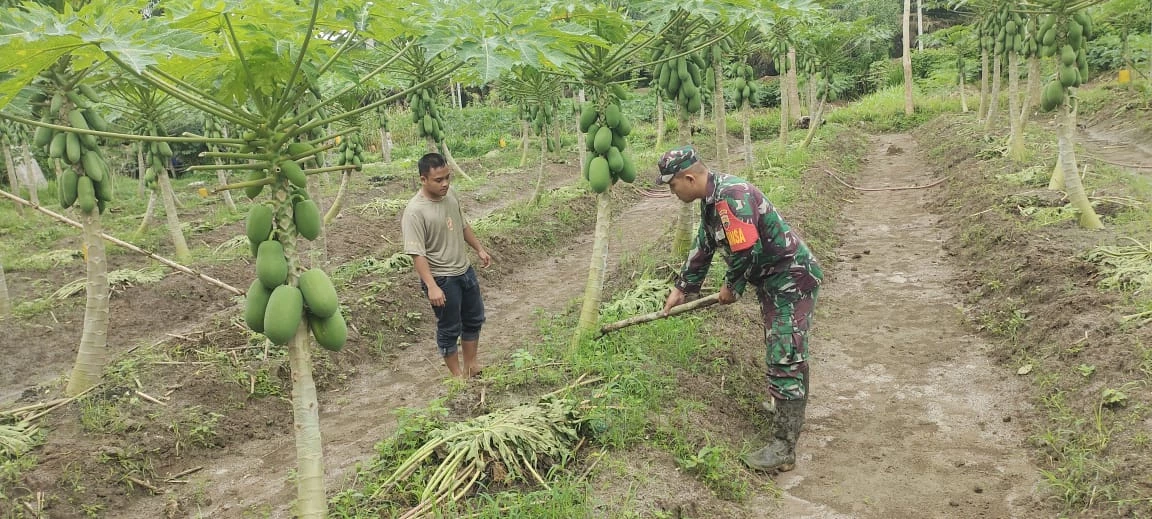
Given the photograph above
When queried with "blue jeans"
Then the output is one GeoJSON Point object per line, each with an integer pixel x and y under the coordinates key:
{"type": "Point", "coordinates": [463, 312]}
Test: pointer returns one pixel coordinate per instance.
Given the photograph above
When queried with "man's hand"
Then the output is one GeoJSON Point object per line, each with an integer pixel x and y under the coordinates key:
{"type": "Point", "coordinates": [727, 296]}
{"type": "Point", "coordinates": [435, 295]}
{"type": "Point", "coordinates": [676, 298]}
{"type": "Point", "coordinates": [485, 259]}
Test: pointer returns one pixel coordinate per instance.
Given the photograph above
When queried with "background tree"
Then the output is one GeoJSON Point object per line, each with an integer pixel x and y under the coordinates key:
{"type": "Point", "coordinates": [906, 59]}
{"type": "Point", "coordinates": [537, 95]}
{"type": "Point", "coordinates": [145, 109]}
{"type": "Point", "coordinates": [1064, 33]}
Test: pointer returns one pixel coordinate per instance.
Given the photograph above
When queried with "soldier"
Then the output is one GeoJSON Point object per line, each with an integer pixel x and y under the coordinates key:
{"type": "Point", "coordinates": [761, 251]}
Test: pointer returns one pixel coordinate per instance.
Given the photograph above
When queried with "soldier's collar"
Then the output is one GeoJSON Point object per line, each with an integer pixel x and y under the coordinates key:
{"type": "Point", "coordinates": [713, 188]}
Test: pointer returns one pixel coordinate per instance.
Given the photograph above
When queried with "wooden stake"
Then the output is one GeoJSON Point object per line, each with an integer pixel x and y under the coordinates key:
{"type": "Point", "coordinates": [703, 302]}
{"type": "Point", "coordinates": [144, 484]}
{"type": "Point", "coordinates": [126, 245]}
{"type": "Point", "coordinates": [150, 398]}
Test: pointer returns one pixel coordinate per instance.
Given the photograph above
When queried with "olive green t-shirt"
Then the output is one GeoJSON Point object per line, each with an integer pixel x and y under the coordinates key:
{"type": "Point", "coordinates": [435, 229]}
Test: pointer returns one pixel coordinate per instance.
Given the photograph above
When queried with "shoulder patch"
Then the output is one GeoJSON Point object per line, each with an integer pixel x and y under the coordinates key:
{"type": "Point", "coordinates": [741, 235]}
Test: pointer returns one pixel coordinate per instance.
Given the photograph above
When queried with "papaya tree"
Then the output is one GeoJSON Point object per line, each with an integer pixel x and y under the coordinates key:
{"type": "Point", "coordinates": [10, 137]}
{"type": "Point", "coordinates": [959, 40]}
{"type": "Point", "coordinates": [1031, 54]}
{"type": "Point", "coordinates": [829, 46]}
{"type": "Point", "coordinates": [216, 130]}
{"type": "Point", "coordinates": [746, 40]}
{"type": "Point", "coordinates": [714, 59]}
{"type": "Point", "coordinates": [1128, 17]}
{"type": "Point", "coordinates": [62, 105]}
{"type": "Point", "coordinates": [417, 64]}
{"type": "Point", "coordinates": [1064, 33]}
{"type": "Point", "coordinates": [538, 95]}
{"type": "Point", "coordinates": [218, 61]}
{"type": "Point", "coordinates": [147, 108]}
{"type": "Point", "coordinates": [679, 72]}
{"type": "Point", "coordinates": [906, 59]}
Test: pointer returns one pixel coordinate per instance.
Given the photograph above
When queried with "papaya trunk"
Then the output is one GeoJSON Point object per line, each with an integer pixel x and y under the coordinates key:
{"type": "Point", "coordinates": [222, 177]}
{"type": "Point", "coordinates": [746, 119]}
{"type": "Point", "coordinates": [93, 351]}
{"type": "Point", "coordinates": [5, 303]}
{"type": "Point", "coordinates": [524, 132]}
{"type": "Point", "coordinates": [659, 123]}
{"type": "Point", "coordinates": [783, 117]}
{"type": "Point", "coordinates": [814, 123]}
{"type": "Point", "coordinates": [812, 96]}
{"type": "Point", "coordinates": [174, 230]}
{"type": "Point", "coordinates": [582, 143]}
{"type": "Point", "coordinates": [982, 112]}
{"type": "Point", "coordinates": [1016, 137]}
{"type": "Point", "coordinates": [141, 168]}
{"type": "Point", "coordinates": [452, 162]}
{"type": "Point", "coordinates": [1072, 183]}
{"type": "Point", "coordinates": [682, 241]}
{"type": "Point", "coordinates": [994, 97]}
{"type": "Point", "coordinates": [387, 150]}
{"type": "Point", "coordinates": [719, 112]}
{"type": "Point", "coordinates": [1032, 93]}
{"type": "Point", "coordinates": [146, 221]}
{"type": "Point", "coordinates": [334, 211]}
{"type": "Point", "coordinates": [793, 87]}
{"type": "Point", "coordinates": [963, 93]}
{"type": "Point", "coordinates": [431, 145]}
{"type": "Point", "coordinates": [540, 169]}
{"type": "Point", "coordinates": [13, 182]}
{"type": "Point", "coordinates": [590, 310]}
{"type": "Point", "coordinates": [33, 176]}
{"type": "Point", "coordinates": [909, 107]}
{"type": "Point", "coordinates": [310, 498]}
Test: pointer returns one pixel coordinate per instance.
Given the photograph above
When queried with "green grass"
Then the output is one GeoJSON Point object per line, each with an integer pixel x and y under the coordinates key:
{"type": "Point", "coordinates": [883, 111]}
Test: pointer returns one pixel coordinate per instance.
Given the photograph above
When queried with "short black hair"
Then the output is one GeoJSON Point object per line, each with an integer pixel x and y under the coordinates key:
{"type": "Point", "coordinates": [430, 162]}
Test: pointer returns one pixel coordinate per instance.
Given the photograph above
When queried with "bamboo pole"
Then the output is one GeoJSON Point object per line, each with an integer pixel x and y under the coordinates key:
{"type": "Point", "coordinates": [126, 245]}
{"type": "Point", "coordinates": [703, 302]}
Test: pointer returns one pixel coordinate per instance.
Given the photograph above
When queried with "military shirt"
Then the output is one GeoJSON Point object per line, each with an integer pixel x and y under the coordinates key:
{"type": "Point", "coordinates": [759, 247]}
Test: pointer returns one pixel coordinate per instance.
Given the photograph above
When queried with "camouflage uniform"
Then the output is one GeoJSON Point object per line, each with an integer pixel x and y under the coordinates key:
{"type": "Point", "coordinates": [761, 250]}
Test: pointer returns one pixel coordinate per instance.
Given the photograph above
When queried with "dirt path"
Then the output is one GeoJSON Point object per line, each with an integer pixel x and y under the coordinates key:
{"type": "Point", "coordinates": [1118, 141]}
{"type": "Point", "coordinates": [909, 417]}
{"type": "Point", "coordinates": [255, 475]}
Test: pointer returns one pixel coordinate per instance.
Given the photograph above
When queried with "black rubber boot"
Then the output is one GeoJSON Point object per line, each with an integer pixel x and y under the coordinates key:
{"type": "Point", "coordinates": [780, 454]}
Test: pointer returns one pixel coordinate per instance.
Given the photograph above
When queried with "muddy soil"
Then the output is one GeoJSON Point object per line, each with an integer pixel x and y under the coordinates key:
{"type": "Point", "coordinates": [909, 416]}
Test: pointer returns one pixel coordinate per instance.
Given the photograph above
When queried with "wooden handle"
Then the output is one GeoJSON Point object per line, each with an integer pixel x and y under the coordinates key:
{"type": "Point", "coordinates": [703, 302]}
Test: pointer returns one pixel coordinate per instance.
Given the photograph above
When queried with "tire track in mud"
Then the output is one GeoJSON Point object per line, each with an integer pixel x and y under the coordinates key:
{"type": "Point", "coordinates": [908, 418]}
{"type": "Point", "coordinates": [256, 475]}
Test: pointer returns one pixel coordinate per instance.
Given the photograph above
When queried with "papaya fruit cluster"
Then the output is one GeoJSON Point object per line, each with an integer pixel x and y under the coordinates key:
{"type": "Point", "coordinates": [274, 307]}
{"type": "Point", "coordinates": [86, 180]}
{"type": "Point", "coordinates": [680, 77]}
{"type": "Point", "coordinates": [541, 116]}
{"type": "Point", "coordinates": [743, 83]}
{"type": "Point", "coordinates": [425, 114]}
{"type": "Point", "coordinates": [1065, 37]}
{"type": "Point", "coordinates": [351, 151]}
{"type": "Point", "coordinates": [605, 133]}
{"type": "Point", "coordinates": [287, 168]}
{"type": "Point", "coordinates": [156, 157]}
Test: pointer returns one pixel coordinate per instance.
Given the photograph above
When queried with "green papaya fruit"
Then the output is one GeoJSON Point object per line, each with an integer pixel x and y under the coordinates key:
{"type": "Point", "coordinates": [331, 333]}
{"type": "Point", "coordinates": [283, 313]}
{"type": "Point", "coordinates": [319, 293]}
{"type": "Point", "coordinates": [306, 216]}
{"type": "Point", "coordinates": [256, 305]}
{"type": "Point", "coordinates": [271, 265]}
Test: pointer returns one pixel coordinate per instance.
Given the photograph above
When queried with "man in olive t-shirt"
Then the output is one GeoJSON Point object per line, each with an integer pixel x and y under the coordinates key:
{"type": "Point", "coordinates": [435, 235]}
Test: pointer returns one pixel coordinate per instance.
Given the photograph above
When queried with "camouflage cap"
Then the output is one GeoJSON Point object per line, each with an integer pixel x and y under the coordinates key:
{"type": "Point", "coordinates": [675, 161]}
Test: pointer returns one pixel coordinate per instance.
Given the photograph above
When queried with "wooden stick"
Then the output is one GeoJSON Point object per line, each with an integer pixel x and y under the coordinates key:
{"type": "Point", "coordinates": [703, 302]}
{"type": "Point", "coordinates": [186, 472]}
{"type": "Point", "coordinates": [144, 484]}
{"type": "Point", "coordinates": [884, 188]}
{"type": "Point", "coordinates": [62, 403]}
{"type": "Point", "coordinates": [1121, 164]}
{"type": "Point", "coordinates": [150, 398]}
{"type": "Point", "coordinates": [127, 245]}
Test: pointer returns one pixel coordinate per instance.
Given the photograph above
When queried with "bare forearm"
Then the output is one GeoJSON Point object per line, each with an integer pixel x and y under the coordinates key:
{"type": "Point", "coordinates": [420, 264]}
{"type": "Point", "coordinates": [471, 240]}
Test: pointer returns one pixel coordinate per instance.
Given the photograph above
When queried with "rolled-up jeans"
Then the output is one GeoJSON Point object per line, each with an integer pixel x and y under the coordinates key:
{"type": "Point", "coordinates": [462, 315]}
